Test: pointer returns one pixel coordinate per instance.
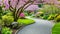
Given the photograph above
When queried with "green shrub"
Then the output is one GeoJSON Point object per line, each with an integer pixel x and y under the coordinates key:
{"type": "Point", "coordinates": [50, 9]}
{"type": "Point", "coordinates": [25, 21]}
{"type": "Point", "coordinates": [39, 14]}
{"type": "Point", "coordinates": [26, 14]}
{"type": "Point", "coordinates": [58, 18]}
{"type": "Point", "coordinates": [6, 30]}
{"type": "Point", "coordinates": [45, 17]}
{"type": "Point", "coordinates": [1, 12]}
{"type": "Point", "coordinates": [40, 5]}
{"type": "Point", "coordinates": [51, 17]}
{"type": "Point", "coordinates": [56, 29]}
{"type": "Point", "coordinates": [6, 11]}
{"type": "Point", "coordinates": [9, 14]}
{"type": "Point", "coordinates": [56, 15]}
{"type": "Point", "coordinates": [1, 23]}
{"type": "Point", "coordinates": [7, 19]}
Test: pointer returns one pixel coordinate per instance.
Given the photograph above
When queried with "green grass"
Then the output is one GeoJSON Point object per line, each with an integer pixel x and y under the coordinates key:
{"type": "Point", "coordinates": [25, 21]}
{"type": "Point", "coordinates": [56, 29]}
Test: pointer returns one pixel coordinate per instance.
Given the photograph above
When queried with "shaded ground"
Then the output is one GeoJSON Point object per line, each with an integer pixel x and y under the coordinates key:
{"type": "Point", "coordinates": [40, 27]}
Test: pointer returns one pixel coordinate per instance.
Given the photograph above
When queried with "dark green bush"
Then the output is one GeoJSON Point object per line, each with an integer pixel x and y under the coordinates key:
{"type": "Point", "coordinates": [45, 17]}
{"type": "Point", "coordinates": [51, 17]}
{"type": "Point", "coordinates": [5, 12]}
{"type": "Point", "coordinates": [1, 12]}
{"type": "Point", "coordinates": [40, 5]}
{"type": "Point", "coordinates": [58, 18]}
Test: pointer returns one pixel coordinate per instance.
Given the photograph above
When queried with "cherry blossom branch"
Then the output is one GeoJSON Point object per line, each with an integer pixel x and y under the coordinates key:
{"type": "Point", "coordinates": [17, 3]}
{"type": "Point", "coordinates": [25, 4]}
{"type": "Point", "coordinates": [10, 7]}
{"type": "Point", "coordinates": [28, 5]}
{"type": "Point", "coordinates": [15, 7]}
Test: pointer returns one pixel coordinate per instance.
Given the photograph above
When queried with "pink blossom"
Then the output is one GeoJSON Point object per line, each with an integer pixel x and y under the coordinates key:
{"type": "Point", "coordinates": [20, 4]}
{"type": "Point", "coordinates": [32, 7]}
{"type": "Point", "coordinates": [22, 15]}
{"type": "Point", "coordinates": [51, 1]}
{"type": "Point", "coordinates": [6, 4]}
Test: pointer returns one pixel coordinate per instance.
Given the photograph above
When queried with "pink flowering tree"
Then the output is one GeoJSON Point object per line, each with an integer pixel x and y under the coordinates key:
{"type": "Point", "coordinates": [54, 2]}
{"type": "Point", "coordinates": [18, 6]}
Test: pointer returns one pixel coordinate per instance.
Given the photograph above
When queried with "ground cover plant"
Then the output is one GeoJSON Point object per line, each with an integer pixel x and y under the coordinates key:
{"type": "Point", "coordinates": [6, 30]}
{"type": "Point", "coordinates": [25, 21]}
{"type": "Point", "coordinates": [56, 29]}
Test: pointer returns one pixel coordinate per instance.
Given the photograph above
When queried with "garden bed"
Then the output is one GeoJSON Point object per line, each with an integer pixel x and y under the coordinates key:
{"type": "Point", "coordinates": [21, 23]}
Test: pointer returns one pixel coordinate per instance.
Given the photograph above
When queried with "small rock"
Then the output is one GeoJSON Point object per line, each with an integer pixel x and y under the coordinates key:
{"type": "Point", "coordinates": [14, 23]}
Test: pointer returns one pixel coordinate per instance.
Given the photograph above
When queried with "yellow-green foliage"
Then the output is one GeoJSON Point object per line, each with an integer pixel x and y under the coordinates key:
{"type": "Point", "coordinates": [58, 18]}
{"type": "Point", "coordinates": [1, 23]}
{"type": "Point", "coordinates": [50, 9]}
{"type": "Point", "coordinates": [52, 16]}
{"type": "Point", "coordinates": [7, 19]}
{"type": "Point", "coordinates": [9, 14]}
{"type": "Point", "coordinates": [25, 21]}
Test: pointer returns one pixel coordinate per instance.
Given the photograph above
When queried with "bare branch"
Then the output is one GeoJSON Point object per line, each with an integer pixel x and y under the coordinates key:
{"type": "Point", "coordinates": [10, 7]}
{"type": "Point", "coordinates": [28, 5]}
{"type": "Point", "coordinates": [17, 3]}
{"type": "Point", "coordinates": [19, 12]}
{"type": "Point", "coordinates": [25, 4]}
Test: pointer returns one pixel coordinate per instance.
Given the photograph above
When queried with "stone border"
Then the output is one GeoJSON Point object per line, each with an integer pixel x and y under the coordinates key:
{"type": "Point", "coordinates": [20, 29]}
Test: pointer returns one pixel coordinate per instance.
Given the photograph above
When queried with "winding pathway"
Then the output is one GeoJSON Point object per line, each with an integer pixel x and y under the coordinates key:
{"type": "Point", "coordinates": [40, 27]}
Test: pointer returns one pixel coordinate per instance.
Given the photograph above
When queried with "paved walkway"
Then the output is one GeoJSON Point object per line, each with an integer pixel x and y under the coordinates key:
{"type": "Point", "coordinates": [40, 27]}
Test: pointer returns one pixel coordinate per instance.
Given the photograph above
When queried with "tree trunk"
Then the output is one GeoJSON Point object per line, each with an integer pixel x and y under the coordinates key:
{"type": "Point", "coordinates": [16, 14]}
{"type": "Point", "coordinates": [15, 17]}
